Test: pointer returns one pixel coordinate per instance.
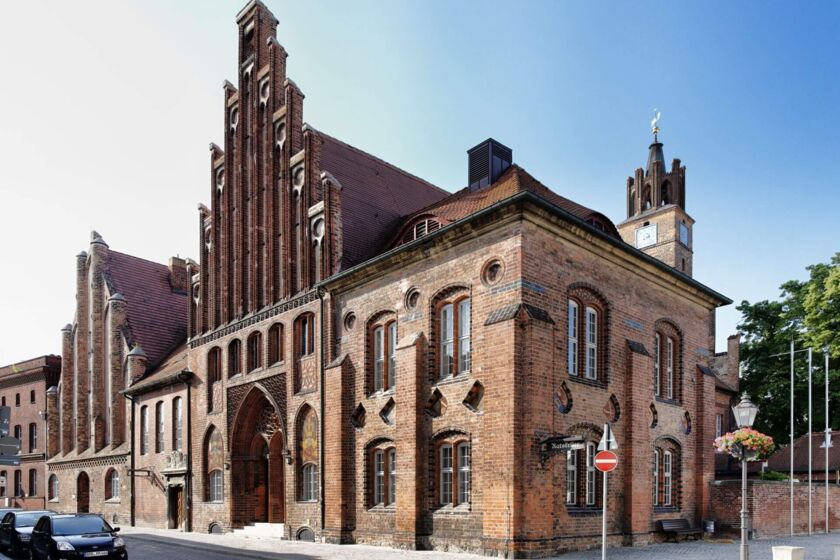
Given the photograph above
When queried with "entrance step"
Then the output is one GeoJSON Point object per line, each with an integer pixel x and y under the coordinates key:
{"type": "Point", "coordinates": [276, 530]}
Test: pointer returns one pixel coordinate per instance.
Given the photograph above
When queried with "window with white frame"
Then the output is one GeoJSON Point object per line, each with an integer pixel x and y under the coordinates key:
{"type": "Point", "coordinates": [144, 430]}
{"type": "Point", "coordinates": [572, 357]}
{"type": "Point", "coordinates": [392, 354]}
{"type": "Point", "coordinates": [464, 473]}
{"type": "Point", "coordinates": [379, 477]}
{"type": "Point", "coordinates": [392, 476]}
{"type": "Point", "coordinates": [383, 333]}
{"type": "Point", "coordinates": [656, 477]}
{"type": "Point", "coordinates": [445, 474]}
{"type": "Point", "coordinates": [177, 425]}
{"type": "Point", "coordinates": [718, 425]}
{"type": "Point", "coordinates": [309, 489]}
{"type": "Point", "coordinates": [455, 349]}
{"type": "Point", "coordinates": [591, 495]}
{"type": "Point", "coordinates": [667, 478]}
{"type": "Point", "coordinates": [571, 477]}
{"type": "Point", "coordinates": [657, 343]}
{"type": "Point", "coordinates": [215, 490]}
{"type": "Point", "coordinates": [464, 350]}
{"type": "Point", "coordinates": [669, 385]}
{"type": "Point", "coordinates": [378, 358]}
{"type": "Point", "coordinates": [591, 364]}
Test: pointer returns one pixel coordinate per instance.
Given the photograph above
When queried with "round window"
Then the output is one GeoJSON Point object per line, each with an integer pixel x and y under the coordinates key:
{"type": "Point", "coordinates": [412, 298]}
{"type": "Point", "coordinates": [349, 321]}
{"type": "Point", "coordinates": [493, 272]}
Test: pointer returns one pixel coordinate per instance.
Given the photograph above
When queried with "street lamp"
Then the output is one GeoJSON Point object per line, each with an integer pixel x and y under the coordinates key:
{"type": "Point", "coordinates": [745, 413]}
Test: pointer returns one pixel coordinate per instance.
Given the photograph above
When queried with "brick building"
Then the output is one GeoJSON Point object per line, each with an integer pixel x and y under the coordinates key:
{"type": "Point", "coordinates": [23, 388]}
{"type": "Point", "coordinates": [129, 327]}
{"type": "Point", "coordinates": [365, 357]}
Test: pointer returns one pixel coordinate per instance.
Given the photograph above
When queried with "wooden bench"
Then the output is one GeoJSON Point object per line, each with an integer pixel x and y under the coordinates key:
{"type": "Point", "coordinates": [679, 527]}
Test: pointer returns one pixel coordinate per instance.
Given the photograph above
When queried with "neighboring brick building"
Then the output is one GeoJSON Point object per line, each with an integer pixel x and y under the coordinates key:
{"type": "Point", "coordinates": [369, 358]}
{"type": "Point", "coordinates": [130, 321]}
{"type": "Point", "coordinates": [24, 388]}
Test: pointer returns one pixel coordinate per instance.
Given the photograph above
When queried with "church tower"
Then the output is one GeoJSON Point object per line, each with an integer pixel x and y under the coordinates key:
{"type": "Point", "coordinates": [657, 222]}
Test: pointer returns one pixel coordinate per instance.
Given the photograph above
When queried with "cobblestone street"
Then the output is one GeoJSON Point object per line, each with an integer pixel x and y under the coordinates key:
{"type": "Point", "coordinates": [145, 544]}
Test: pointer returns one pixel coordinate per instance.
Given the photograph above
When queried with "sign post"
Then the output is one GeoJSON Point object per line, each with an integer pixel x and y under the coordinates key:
{"type": "Point", "coordinates": [605, 461]}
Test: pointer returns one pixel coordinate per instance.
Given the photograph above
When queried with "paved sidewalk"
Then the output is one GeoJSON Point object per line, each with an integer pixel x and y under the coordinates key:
{"type": "Point", "coordinates": [818, 547]}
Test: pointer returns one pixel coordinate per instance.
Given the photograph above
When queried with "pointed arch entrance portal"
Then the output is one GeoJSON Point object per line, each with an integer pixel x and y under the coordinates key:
{"type": "Point", "coordinates": [257, 466]}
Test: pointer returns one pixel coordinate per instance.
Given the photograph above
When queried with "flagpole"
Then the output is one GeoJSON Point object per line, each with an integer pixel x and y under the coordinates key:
{"type": "Point", "coordinates": [791, 435]}
{"type": "Point", "coordinates": [827, 441]}
{"type": "Point", "coordinates": [810, 441]}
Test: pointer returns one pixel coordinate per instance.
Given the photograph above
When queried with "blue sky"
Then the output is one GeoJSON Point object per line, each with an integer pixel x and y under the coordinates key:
{"type": "Point", "coordinates": [114, 105]}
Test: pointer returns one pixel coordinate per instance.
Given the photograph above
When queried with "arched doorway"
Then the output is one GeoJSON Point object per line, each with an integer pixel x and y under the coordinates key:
{"type": "Point", "coordinates": [257, 445]}
{"type": "Point", "coordinates": [83, 493]}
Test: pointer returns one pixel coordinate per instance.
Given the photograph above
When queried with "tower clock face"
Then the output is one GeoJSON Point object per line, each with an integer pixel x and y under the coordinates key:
{"type": "Point", "coordinates": [646, 236]}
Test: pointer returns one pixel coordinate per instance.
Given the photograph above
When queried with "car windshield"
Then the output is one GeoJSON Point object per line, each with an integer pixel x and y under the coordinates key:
{"type": "Point", "coordinates": [80, 525]}
{"type": "Point", "coordinates": [27, 519]}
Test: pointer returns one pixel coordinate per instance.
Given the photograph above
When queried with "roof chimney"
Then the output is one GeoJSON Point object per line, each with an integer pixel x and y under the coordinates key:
{"type": "Point", "coordinates": [487, 161]}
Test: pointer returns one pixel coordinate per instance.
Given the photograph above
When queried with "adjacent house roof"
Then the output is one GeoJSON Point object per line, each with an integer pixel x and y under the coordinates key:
{"type": "Point", "coordinates": [780, 460]}
{"type": "Point", "coordinates": [168, 372]}
{"type": "Point", "coordinates": [513, 181]}
{"type": "Point", "coordinates": [375, 196]}
{"type": "Point", "coordinates": [156, 316]}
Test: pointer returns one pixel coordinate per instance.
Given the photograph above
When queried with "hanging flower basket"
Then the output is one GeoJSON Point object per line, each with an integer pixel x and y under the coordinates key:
{"type": "Point", "coordinates": [746, 443]}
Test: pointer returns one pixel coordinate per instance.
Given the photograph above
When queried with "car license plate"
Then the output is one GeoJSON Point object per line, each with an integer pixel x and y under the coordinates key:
{"type": "Point", "coordinates": [96, 553]}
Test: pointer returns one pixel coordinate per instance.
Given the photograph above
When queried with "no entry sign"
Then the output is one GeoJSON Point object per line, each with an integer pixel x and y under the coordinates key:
{"type": "Point", "coordinates": [606, 461]}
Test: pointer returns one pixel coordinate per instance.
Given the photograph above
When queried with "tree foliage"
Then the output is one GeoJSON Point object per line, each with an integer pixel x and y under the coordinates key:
{"type": "Point", "coordinates": [807, 313]}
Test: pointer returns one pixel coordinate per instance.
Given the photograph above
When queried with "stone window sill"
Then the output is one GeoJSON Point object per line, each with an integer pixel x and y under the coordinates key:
{"type": "Point", "coordinates": [460, 509]}
{"type": "Point", "coordinates": [379, 508]}
{"type": "Point", "coordinates": [584, 511]}
{"type": "Point", "coordinates": [113, 501]}
{"type": "Point", "coordinates": [600, 384]}
{"type": "Point", "coordinates": [53, 501]}
{"type": "Point", "coordinates": [453, 379]}
{"type": "Point", "coordinates": [672, 402]}
{"type": "Point", "coordinates": [383, 393]}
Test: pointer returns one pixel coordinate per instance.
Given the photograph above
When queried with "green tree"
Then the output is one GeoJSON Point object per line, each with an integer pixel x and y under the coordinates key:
{"type": "Point", "coordinates": [808, 313]}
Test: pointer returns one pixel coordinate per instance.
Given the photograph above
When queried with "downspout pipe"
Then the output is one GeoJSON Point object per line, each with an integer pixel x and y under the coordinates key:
{"type": "Point", "coordinates": [131, 455]}
{"type": "Point", "coordinates": [184, 377]}
{"type": "Point", "coordinates": [321, 453]}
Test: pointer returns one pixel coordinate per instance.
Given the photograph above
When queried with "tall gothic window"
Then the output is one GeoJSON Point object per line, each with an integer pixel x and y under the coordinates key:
{"type": "Point", "coordinates": [144, 430]}
{"type": "Point", "coordinates": [667, 361]}
{"type": "Point", "coordinates": [112, 485]}
{"type": "Point", "coordinates": [254, 351]}
{"type": "Point", "coordinates": [33, 437]}
{"type": "Point", "coordinates": [52, 488]}
{"type": "Point", "coordinates": [307, 455]}
{"type": "Point", "coordinates": [455, 349]}
{"type": "Point", "coordinates": [234, 357]}
{"type": "Point", "coordinates": [583, 484]}
{"type": "Point", "coordinates": [177, 425]}
{"type": "Point", "coordinates": [382, 330]}
{"type": "Point", "coordinates": [33, 482]}
{"type": "Point", "coordinates": [275, 344]}
{"type": "Point", "coordinates": [666, 474]}
{"type": "Point", "coordinates": [214, 462]}
{"type": "Point", "coordinates": [214, 378]}
{"type": "Point", "coordinates": [161, 423]}
{"type": "Point", "coordinates": [454, 462]}
{"type": "Point", "coordinates": [586, 335]}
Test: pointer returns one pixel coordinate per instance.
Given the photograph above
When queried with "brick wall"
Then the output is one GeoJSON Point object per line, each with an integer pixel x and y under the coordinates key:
{"type": "Point", "coordinates": [768, 503]}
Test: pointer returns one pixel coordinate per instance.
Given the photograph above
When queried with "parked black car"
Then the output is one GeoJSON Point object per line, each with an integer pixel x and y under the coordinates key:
{"type": "Point", "coordinates": [15, 529]}
{"type": "Point", "coordinates": [75, 536]}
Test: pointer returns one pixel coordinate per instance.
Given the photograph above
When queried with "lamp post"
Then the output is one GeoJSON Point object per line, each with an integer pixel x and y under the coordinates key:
{"type": "Point", "coordinates": [745, 413]}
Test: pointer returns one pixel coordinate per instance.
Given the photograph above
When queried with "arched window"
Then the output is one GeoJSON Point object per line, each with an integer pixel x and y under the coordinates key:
{"type": "Point", "coordinates": [52, 488]}
{"type": "Point", "coordinates": [17, 399]}
{"type": "Point", "coordinates": [422, 227]}
{"type": "Point", "coordinates": [454, 334]}
{"type": "Point", "coordinates": [214, 461]}
{"type": "Point", "coordinates": [18, 484]}
{"type": "Point", "coordinates": [665, 194]}
{"type": "Point", "coordinates": [33, 437]}
{"type": "Point", "coordinates": [382, 333]}
{"type": "Point", "coordinates": [305, 335]}
{"type": "Point", "coordinates": [583, 485]}
{"type": "Point", "coordinates": [214, 377]}
{"type": "Point", "coordinates": [112, 485]}
{"type": "Point", "coordinates": [667, 361]}
{"type": "Point", "coordinates": [144, 430]}
{"type": "Point", "coordinates": [33, 482]}
{"type": "Point", "coordinates": [177, 424]}
{"type": "Point", "coordinates": [3, 488]}
{"type": "Point", "coordinates": [32, 397]}
{"type": "Point", "coordinates": [254, 351]}
{"type": "Point", "coordinates": [275, 344]}
{"type": "Point", "coordinates": [305, 378]}
{"type": "Point", "coordinates": [666, 474]}
{"type": "Point", "coordinates": [382, 474]}
{"type": "Point", "coordinates": [647, 202]}
{"type": "Point", "coordinates": [307, 452]}
{"type": "Point", "coordinates": [234, 357]}
{"type": "Point", "coordinates": [160, 423]}
{"type": "Point", "coordinates": [454, 462]}
{"type": "Point", "coordinates": [586, 335]}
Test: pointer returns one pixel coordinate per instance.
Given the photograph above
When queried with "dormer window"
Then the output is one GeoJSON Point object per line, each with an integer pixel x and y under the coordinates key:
{"type": "Point", "coordinates": [421, 228]}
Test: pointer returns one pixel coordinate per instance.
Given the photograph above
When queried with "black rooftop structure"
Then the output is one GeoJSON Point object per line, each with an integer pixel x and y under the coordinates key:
{"type": "Point", "coordinates": [487, 161]}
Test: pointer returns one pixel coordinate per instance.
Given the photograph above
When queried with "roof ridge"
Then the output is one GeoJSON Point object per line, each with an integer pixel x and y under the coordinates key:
{"type": "Point", "coordinates": [380, 160]}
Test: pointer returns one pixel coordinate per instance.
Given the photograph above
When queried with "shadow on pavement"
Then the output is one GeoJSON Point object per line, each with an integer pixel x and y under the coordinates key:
{"type": "Point", "coordinates": [142, 545]}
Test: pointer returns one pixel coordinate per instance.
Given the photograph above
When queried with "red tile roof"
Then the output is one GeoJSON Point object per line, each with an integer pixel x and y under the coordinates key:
{"type": "Point", "coordinates": [513, 181]}
{"type": "Point", "coordinates": [780, 460]}
{"type": "Point", "coordinates": [375, 196]}
{"type": "Point", "coordinates": [174, 363]}
{"type": "Point", "coordinates": [157, 316]}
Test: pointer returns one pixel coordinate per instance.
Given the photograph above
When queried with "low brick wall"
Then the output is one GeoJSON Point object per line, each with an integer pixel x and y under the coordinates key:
{"type": "Point", "coordinates": [769, 507]}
